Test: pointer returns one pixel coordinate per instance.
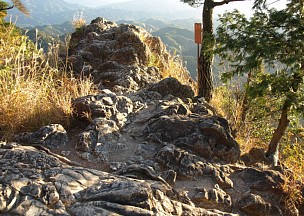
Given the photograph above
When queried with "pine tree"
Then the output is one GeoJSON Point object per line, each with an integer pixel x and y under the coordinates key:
{"type": "Point", "coordinates": [273, 38]}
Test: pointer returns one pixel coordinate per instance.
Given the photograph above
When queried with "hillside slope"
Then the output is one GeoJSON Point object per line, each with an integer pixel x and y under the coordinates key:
{"type": "Point", "coordinates": [181, 43]}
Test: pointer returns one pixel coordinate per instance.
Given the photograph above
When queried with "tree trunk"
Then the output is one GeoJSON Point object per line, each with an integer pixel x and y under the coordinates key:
{"type": "Point", "coordinates": [205, 79]}
{"type": "Point", "coordinates": [273, 148]}
{"type": "Point", "coordinates": [241, 118]}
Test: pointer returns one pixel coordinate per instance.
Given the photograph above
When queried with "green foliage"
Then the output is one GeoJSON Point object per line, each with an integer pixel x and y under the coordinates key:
{"type": "Point", "coordinates": [269, 48]}
{"type": "Point", "coordinates": [271, 38]}
{"type": "Point", "coordinates": [193, 3]}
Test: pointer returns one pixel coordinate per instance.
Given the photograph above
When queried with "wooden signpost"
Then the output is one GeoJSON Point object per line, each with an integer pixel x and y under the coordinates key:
{"type": "Point", "coordinates": [198, 38]}
{"type": "Point", "coordinates": [198, 33]}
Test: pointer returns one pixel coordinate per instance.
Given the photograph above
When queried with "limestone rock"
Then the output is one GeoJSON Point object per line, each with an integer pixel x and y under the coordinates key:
{"type": "Point", "coordinates": [206, 136]}
{"type": "Point", "coordinates": [173, 87]}
{"type": "Point", "coordinates": [119, 57]}
{"type": "Point", "coordinates": [30, 189]}
{"type": "Point", "coordinates": [255, 205]}
{"type": "Point", "coordinates": [214, 198]}
{"type": "Point", "coordinates": [107, 105]}
{"type": "Point", "coordinates": [52, 136]}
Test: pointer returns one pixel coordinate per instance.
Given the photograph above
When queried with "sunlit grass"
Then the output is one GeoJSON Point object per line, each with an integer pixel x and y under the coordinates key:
{"type": "Point", "coordinates": [169, 65]}
{"type": "Point", "coordinates": [34, 91]}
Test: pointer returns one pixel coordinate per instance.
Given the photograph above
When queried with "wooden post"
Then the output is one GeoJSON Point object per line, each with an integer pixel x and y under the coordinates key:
{"type": "Point", "coordinates": [198, 40]}
{"type": "Point", "coordinates": [198, 33]}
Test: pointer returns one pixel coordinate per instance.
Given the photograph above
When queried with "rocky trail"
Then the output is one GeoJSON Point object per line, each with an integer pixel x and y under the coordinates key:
{"type": "Point", "coordinates": [149, 146]}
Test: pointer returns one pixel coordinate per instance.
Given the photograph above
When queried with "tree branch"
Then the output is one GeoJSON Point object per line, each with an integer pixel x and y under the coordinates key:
{"type": "Point", "coordinates": [7, 8]}
{"type": "Point", "coordinates": [214, 4]}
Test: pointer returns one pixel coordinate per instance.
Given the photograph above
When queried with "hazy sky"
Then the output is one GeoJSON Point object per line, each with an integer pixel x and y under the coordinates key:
{"type": "Point", "coordinates": [242, 6]}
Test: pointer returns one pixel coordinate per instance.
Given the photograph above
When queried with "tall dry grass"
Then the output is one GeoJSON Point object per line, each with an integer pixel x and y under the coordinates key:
{"type": "Point", "coordinates": [78, 20]}
{"type": "Point", "coordinates": [34, 90]}
{"type": "Point", "coordinates": [171, 66]}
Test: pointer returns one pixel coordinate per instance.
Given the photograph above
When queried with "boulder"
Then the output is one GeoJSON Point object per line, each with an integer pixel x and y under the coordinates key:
{"type": "Point", "coordinates": [255, 205]}
{"type": "Point", "coordinates": [51, 136]}
{"type": "Point", "coordinates": [174, 87]}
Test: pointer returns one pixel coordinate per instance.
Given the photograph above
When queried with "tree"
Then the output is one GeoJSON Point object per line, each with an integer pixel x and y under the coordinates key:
{"type": "Point", "coordinates": [275, 39]}
{"type": "Point", "coordinates": [205, 61]}
{"type": "Point", "coordinates": [16, 3]}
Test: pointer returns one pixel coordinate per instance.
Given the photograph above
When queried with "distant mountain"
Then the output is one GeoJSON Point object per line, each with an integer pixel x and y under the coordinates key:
{"type": "Point", "coordinates": [94, 3]}
{"type": "Point", "coordinates": [180, 42]}
{"type": "Point", "coordinates": [156, 5]}
{"type": "Point", "coordinates": [44, 12]}
{"type": "Point", "coordinates": [48, 12]}
{"type": "Point", "coordinates": [48, 34]}
{"type": "Point", "coordinates": [152, 24]}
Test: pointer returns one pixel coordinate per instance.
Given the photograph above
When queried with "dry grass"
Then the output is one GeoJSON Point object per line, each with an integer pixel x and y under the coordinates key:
{"type": "Point", "coordinates": [33, 92]}
{"type": "Point", "coordinates": [293, 158]}
{"type": "Point", "coordinates": [255, 128]}
{"type": "Point", "coordinates": [78, 20]}
{"type": "Point", "coordinates": [169, 65]}
{"type": "Point", "coordinates": [293, 185]}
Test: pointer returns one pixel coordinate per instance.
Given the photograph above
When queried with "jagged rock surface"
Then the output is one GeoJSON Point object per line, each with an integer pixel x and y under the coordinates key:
{"type": "Point", "coordinates": [149, 146]}
{"type": "Point", "coordinates": [121, 58]}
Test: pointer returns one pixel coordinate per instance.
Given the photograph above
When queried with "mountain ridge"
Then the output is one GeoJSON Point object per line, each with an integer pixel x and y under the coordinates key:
{"type": "Point", "coordinates": [55, 12]}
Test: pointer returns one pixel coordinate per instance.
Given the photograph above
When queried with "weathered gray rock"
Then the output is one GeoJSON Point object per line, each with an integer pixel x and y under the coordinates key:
{"type": "Point", "coordinates": [267, 180]}
{"type": "Point", "coordinates": [99, 139]}
{"type": "Point", "coordinates": [214, 198]}
{"type": "Point", "coordinates": [255, 205]}
{"type": "Point", "coordinates": [121, 58]}
{"type": "Point", "coordinates": [51, 136]}
{"type": "Point", "coordinates": [174, 87]}
{"type": "Point", "coordinates": [207, 136]}
{"type": "Point", "coordinates": [57, 189]}
{"type": "Point", "coordinates": [118, 56]}
{"type": "Point", "coordinates": [254, 156]}
{"type": "Point", "coordinates": [107, 105]}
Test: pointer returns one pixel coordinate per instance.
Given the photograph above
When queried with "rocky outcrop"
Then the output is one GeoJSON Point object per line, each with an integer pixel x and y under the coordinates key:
{"type": "Point", "coordinates": [148, 147]}
{"type": "Point", "coordinates": [120, 58]}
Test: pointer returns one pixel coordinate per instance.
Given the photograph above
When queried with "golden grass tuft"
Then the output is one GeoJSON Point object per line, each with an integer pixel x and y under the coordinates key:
{"type": "Point", "coordinates": [78, 20]}
{"type": "Point", "coordinates": [33, 92]}
{"type": "Point", "coordinates": [293, 158]}
{"type": "Point", "coordinates": [169, 65]}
